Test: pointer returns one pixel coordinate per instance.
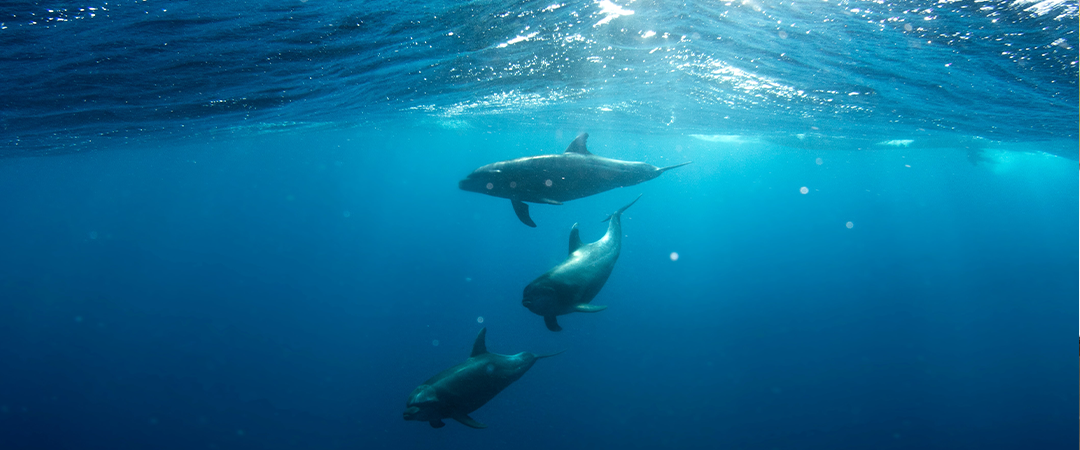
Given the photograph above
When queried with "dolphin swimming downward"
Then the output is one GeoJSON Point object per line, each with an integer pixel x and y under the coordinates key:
{"type": "Point", "coordinates": [571, 285]}
{"type": "Point", "coordinates": [462, 389]}
{"type": "Point", "coordinates": [554, 179]}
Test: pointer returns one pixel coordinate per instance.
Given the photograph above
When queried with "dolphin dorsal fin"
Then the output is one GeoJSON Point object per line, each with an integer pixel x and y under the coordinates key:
{"type": "Point", "coordinates": [578, 146]}
{"type": "Point", "coordinates": [479, 347]}
{"type": "Point", "coordinates": [575, 239]}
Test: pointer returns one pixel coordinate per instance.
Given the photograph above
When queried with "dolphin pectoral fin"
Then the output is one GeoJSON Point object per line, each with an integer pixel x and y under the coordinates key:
{"type": "Point", "coordinates": [468, 421]}
{"type": "Point", "coordinates": [522, 211]}
{"type": "Point", "coordinates": [552, 323]}
{"type": "Point", "coordinates": [665, 169]}
{"type": "Point", "coordinates": [575, 239]}
{"type": "Point", "coordinates": [437, 423]}
{"type": "Point", "coordinates": [587, 308]}
{"type": "Point", "coordinates": [578, 146]}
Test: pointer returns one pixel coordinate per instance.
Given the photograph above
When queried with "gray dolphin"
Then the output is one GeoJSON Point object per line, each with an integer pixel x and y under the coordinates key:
{"type": "Point", "coordinates": [460, 390]}
{"type": "Point", "coordinates": [554, 179]}
{"type": "Point", "coordinates": [571, 285]}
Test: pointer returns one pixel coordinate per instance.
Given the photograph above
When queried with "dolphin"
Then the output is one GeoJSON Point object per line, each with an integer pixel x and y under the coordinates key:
{"type": "Point", "coordinates": [571, 285]}
{"type": "Point", "coordinates": [460, 390]}
{"type": "Point", "coordinates": [554, 179]}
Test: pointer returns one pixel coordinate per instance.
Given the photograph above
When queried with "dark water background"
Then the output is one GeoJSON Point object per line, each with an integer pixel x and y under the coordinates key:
{"type": "Point", "coordinates": [258, 252]}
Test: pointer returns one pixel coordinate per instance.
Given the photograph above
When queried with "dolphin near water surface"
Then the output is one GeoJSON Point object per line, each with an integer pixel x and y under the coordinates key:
{"type": "Point", "coordinates": [554, 179]}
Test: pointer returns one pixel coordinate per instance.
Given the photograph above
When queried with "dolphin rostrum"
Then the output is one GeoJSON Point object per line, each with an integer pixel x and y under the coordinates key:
{"type": "Point", "coordinates": [571, 285]}
{"type": "Point", "coordinates": [460, 390]}
{"type": "Point", "coordinates": [554, 179]}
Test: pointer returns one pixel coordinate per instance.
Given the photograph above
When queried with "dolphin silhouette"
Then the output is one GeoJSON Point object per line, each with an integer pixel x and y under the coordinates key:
{"type": "Point", "coordinates": [571, 285]}
{"type": "Point", "coordinates": [462, 389]}
{"type": "Point", "coordinates": [554, 179]}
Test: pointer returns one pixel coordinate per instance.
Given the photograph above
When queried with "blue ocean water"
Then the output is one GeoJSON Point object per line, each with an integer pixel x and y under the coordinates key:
{"type": "Point", "coordinates": [236, 225]}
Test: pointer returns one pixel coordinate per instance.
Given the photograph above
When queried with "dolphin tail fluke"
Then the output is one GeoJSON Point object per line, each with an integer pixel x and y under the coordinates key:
{"type": "Point", "coordinates": [623, 209]}
{"type": "Point", "coordinates": [468, 421]}
{"type": "Point", "coordinates": [552, 323]}
{"type": "Point", "coordinates": [522, 211]}
{"type": "Point", "coordinates": [550, 354]}
{"type": "Point", "coordinates": [665, 169]}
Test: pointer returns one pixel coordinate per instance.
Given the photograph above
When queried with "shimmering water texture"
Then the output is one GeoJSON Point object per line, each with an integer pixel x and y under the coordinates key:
{"type": "Point", "coordinates": [837, 74]}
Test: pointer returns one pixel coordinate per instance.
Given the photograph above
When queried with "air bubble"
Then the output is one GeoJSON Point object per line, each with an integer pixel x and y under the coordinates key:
{"type": "Point", "coordinates": [490, 186]}
{"type": "Point", "coordinates": [547, 183]}
{"type": "Point", "coordinates": [849, 225]}
{"type": "Point", "coordinates": [819, 161]}
{"type": "Point", "coordinates": [804, 190]}
{"type": "Point", "coordinates": [674, 256]}
{"type": "Point", "coordinates": [435, 343]}
{"type": "Point", "coordinates": [480, 319]}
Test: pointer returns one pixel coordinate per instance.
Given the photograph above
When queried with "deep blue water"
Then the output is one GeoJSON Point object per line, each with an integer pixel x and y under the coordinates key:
{"type": "Point", "coordinates": [252, 238]}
